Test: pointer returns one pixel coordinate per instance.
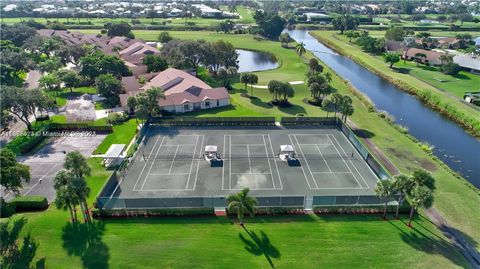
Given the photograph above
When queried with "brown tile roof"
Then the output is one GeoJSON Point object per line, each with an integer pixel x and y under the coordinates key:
{"type": "Point", "coordinates": [173, 81]}
{"type": "Point", "coordinates": [139, 48]}
{"type": "Point", "coordinates": [194, 95]}
{"type": "Point", "coordinates": [431, 55]}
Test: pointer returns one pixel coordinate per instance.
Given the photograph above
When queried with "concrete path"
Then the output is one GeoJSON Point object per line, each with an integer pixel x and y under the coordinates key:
{"type": "Point", "coordinates": [31, 82]}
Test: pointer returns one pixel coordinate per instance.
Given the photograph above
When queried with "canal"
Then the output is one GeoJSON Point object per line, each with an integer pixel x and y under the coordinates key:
{"type": "Point", "coordinates": [459, 150]}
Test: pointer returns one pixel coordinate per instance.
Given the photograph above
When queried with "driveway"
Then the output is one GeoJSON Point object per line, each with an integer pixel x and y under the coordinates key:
{"type": "Point", "coordinates": [45, 163]}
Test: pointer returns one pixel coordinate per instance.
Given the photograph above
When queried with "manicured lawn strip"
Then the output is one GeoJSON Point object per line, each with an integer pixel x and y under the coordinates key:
{"type": "Point", "coordinates": [376, 33]}
{"type": "Point", "coordinates": [470, 115]}
{"type": "Point", "coordinates": [122, 134]}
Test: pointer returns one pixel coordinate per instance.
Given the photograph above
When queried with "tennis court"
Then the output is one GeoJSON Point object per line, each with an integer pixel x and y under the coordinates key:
{"type": "Point", "coordinates": [170, 163]}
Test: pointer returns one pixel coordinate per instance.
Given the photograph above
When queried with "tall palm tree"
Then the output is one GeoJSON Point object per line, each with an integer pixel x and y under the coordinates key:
{"type": "Point", "coordinates": [66, 198]}
{"type": "Point", "coordinates": [78, 164]}
{"type": "Point", "coordinates": [242, 203]}
{"type": "Point", "coordinates": [82, 191]}
{"type": "Point", "coordinates": [403, 185]}
{"type": "Point", "coordinates": [420, 196]}
{"type": "Point", "coordinates": [328, 77]}
{"type": "Point", "coordinates": [384, 191]}
{"type": "Point", "coordinates": [233, 8]}
{"type": "Point", "coordinates": [300, 48]}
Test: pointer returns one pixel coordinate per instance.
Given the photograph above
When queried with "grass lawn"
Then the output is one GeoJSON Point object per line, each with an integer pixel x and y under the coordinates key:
{"type": "Point", "coordinates": [289, 242]}
{"type": "Point", "coordinates": [216, 242]}
{"type": "Point", "coordinates": [376, 33]}
{"type": "Point", "coordinates": [122, 134]}
{"type": "Point", "coordinates": [457, 85]}
{"type": "Point", "coordinates": [245, 13]}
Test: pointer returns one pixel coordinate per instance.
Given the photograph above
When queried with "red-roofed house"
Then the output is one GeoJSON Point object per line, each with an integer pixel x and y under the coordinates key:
{"type": "Point", "coordinates": [183, 92]}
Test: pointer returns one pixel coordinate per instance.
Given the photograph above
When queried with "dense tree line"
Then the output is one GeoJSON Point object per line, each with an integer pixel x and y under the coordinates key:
{"type": "Point", "coordinates": [195, 53]}
{"type": "Point", "coordinates": [270, 24]}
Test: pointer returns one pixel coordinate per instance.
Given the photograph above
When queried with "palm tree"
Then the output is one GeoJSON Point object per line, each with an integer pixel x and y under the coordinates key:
{"type": "Point", "coordinates": [423, 178]}
{"type": "Point", "coordinates": [403, 185]}
{"type": "Point", "coordinates": [384, 191]}
{"type": "Point", "coordinates": [78, 164]}
{"type": "Point", "coordinates": [328, 77]}
{"type": "Point", "coordinates": [82, 191]}
{"type": "Point", "coordinates": [241, 203]}
{"type": "Point", "coordinates": [420, 196]}
{"type": "Point", "coordinates": [66, 198]}
{"type": "Point", "coordinates": [300, 49]}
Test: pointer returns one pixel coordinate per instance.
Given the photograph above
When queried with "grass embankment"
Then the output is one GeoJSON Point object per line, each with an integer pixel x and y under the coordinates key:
{"type": "Point", "coordinates": [443, 102]}
{"type": "Point", "coordinates": [290, 242]}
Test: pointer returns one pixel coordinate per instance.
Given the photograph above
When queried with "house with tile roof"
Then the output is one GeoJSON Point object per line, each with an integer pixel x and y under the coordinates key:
{"type": "Point", "coordinates": [183, 91]}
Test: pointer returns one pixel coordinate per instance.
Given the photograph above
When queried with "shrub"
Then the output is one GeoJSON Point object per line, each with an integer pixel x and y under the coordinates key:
{"type": "Point", "coordinates": [136, 21]}
{"type": "Point", "coordinates": [116, 118]}
{"type": "Point", "coordinates": [6, 209]}
{"type": "Point", "coordinates": [427, 147]}
{"type": "Point", "coordinates": [29, 203]}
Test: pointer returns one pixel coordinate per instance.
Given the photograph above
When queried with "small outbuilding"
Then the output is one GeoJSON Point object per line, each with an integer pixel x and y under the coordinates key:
{"type": "Point", "coordinates": [113, 157]}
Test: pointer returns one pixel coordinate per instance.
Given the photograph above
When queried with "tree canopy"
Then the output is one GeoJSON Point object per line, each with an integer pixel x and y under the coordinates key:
{"type": "Point", "coordinates": [13, 174]}
{"type": "Point", "coordinates": [271, 24]}
{"type": "Point", "coordinates": [110, 88]}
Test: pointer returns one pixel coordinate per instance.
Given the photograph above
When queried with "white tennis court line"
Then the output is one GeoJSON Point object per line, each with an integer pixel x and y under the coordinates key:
{"type": "Point", "coordinates": [306, 161]}
{"type": "Point", "coordinates": [354, 166]}
{"type": "Point", "coordinates": [223, 166]}
{"type": "Point", "coordinates": [275, 161]}
{"type": "Point", "coordinates": [193, 156]}
{"type": "Point", "coordinates": [230, 162]}
{"type": "Point", "coordinates": [249, 163]}
{"type": "Point", "coordinates": [322, 158]}
{"type": "Point", "coordinates": [145, 164]}
{"type": "Point", "coordinates": [171, 174]}
{"type": "Point", "coordinates": [173, 160]}
{"type": "Point", "coordinates": [151, 164]}
{"type": "Point", "coordinates": [303, 170]}
{"type": "Point", "coordinates": [268, 160]}
{"type": "Point", "coordinates": [358, 182]}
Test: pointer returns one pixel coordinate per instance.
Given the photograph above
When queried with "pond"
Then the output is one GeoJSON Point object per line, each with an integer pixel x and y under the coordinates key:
{"type": "Point", "coordinates": [251, 61]}
{"type": "Point", "coordinates": [459, 150]}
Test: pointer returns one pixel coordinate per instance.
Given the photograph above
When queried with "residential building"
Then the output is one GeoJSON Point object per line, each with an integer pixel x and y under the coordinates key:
{"type": "Point", "coordinates": [183, 91]}
{"type": "Point", "coordinates": [431, 57]}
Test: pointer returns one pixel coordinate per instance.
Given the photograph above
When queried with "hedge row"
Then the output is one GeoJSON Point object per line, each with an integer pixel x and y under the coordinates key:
{"type": "Point", "coordinates": [153, 212]}
{"type": "Point", "coordinates": [214, 121]}
{"type": "Point", "coordinates": [353, 210]}
{"type": "Point", "coordinates": [293, 121]}
{"type": "Point", "coordinates": [80, 127]}
{"type": "Point", "coordinates": [22, 204]}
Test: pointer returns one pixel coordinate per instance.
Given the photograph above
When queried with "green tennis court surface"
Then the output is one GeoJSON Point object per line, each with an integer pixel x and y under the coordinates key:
{"type": "Point", "coordinates": [170, 164]}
